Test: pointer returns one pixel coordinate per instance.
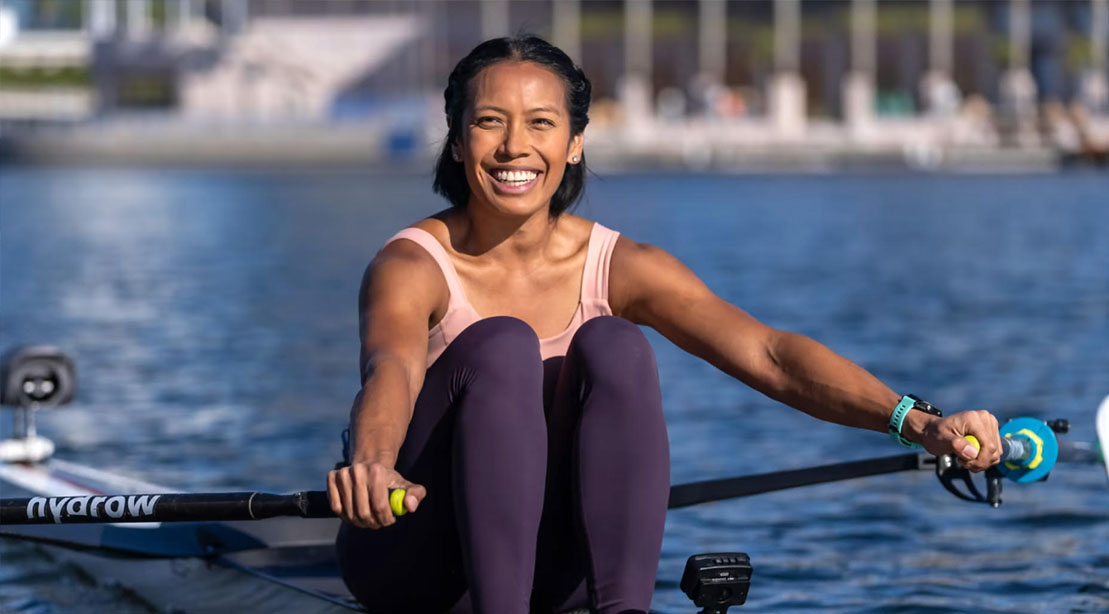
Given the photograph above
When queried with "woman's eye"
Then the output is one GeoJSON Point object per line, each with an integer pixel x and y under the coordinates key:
{"type": "Point", "coordinates": [544, 122]}
{"type": "Point", "coordinates": [485, 121]}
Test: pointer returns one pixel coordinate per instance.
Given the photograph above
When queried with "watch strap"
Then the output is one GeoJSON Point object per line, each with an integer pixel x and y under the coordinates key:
{"type": "Point", "coordinates": [897, 419]}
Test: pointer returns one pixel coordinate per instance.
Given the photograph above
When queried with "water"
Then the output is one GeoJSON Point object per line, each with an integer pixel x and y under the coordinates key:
{"type": "Point", "coordinates": [212, 318]}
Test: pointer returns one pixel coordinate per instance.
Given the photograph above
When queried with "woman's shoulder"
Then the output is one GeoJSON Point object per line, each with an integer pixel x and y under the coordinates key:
{"type": "Point", "coordinates": [406, 266]}
{"type": "Point", "coordinates": [434, 225]}
{"type": "Point", "coordinates": [634, 262]}
{"type": "Point", "coordinates": [404, 274]}
{"type": "Point", "coordinates": [416, 250]}
{"type": "Point", "coordinates": [417, 244]}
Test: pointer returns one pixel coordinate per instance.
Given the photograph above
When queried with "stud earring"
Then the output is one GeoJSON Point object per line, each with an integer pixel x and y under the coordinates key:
{"type": "Point", "coordinates": [575, 159]}
{"type": "Point", "coordinates": [456, 156]}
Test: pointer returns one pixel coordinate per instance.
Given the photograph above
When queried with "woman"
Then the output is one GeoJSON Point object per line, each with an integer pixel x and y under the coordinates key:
{"type": "Point", "coordinates": [534, 450]}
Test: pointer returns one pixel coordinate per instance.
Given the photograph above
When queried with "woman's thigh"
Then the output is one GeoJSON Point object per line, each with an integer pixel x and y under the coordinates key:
{"type": "Point", "coordinates": [609, 373]}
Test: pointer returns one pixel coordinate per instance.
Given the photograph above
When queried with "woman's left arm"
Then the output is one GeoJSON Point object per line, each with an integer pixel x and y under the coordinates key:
{"type": "Point", "coordinates": [649, 286]}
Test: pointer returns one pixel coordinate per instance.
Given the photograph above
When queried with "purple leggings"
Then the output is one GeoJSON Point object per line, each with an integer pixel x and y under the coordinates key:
{"type": "Point", "coordinates": [547, 481]}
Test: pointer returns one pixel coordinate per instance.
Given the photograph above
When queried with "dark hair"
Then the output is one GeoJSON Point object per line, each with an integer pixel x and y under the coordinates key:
{"type": "Point", "coordinates": [450, 177]}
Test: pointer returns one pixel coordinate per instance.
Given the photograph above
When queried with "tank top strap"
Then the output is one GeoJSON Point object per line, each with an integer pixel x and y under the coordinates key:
{"type": "Point", "coordinates": [594, 280]}
{"type": "Point", "coordinates": [432, 246]}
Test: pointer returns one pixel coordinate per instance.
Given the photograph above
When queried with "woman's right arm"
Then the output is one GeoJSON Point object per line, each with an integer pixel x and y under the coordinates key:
{"type": "Point", "coordinates": [401, 291]}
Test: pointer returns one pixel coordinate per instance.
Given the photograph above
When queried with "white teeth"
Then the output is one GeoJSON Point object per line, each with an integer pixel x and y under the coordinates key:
{"type": "Point", "coordinates": [515, 177]}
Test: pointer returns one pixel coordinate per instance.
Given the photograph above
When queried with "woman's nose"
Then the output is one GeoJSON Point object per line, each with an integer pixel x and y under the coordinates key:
{"type": "Point", "coordinates": [515, 140]}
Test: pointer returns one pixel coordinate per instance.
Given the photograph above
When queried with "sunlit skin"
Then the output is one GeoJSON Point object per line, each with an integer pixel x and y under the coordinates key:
{"type": "Point", "coordinates": [514, 260]}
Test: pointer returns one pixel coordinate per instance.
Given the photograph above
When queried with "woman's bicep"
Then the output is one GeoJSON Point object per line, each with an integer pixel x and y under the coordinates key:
{"type": "Point", "coordinates": [655, 289]}
{"type": "Point", "coordinates": [400, 292]}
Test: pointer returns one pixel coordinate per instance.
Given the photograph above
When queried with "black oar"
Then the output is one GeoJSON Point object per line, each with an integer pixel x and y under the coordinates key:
{"type": "Point", "coordinates": [197, 507]}
{"type": "Point", "coordinates": [200, 507]}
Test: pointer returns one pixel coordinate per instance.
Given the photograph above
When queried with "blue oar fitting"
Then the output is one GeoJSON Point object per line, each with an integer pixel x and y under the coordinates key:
{"type": "Point", "coordinates": [1039, 454]}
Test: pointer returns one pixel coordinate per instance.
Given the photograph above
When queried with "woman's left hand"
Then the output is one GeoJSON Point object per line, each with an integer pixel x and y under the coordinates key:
{"type": "Point", "coordinates": [948, 436]}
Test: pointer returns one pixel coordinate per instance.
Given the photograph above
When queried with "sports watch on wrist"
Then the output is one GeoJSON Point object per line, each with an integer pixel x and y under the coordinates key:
{"type": "Point", "coordinates": [897, 418]}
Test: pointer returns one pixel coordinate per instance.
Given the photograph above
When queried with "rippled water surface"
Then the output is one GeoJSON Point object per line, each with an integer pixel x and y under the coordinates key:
{"type": "Point", "coordinates": [212, 318]}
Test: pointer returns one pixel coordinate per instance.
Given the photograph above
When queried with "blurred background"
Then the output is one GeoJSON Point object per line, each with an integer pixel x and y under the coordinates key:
{"type": "Point", "coordinates": [751, 84]}
{"type": "Point", "coordinates": [190, 191]}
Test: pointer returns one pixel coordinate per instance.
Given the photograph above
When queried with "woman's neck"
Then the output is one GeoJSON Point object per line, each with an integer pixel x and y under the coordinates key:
{"type": "Point", "coordinates": [513, 241]}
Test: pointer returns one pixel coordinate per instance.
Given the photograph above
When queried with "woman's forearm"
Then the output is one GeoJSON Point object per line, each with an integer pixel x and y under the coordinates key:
{"type": "Point", "coordinates": [380, 414]}
{"type": "Point", "coordinates": [812, 378]}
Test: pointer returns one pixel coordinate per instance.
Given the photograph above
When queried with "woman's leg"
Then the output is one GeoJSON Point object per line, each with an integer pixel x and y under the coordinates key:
{"type": "Point", "coordinates": [478, 442]}
{"type": "Point", "coordinates": [615, 481]}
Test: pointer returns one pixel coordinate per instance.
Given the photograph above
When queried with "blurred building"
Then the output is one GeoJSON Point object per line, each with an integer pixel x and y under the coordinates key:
{"type": "Point", "coordinates": [691, 82]}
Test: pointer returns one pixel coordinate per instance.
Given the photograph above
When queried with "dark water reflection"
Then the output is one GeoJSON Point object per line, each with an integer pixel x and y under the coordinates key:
{"type": "Point", "coordinates": [212, 318]}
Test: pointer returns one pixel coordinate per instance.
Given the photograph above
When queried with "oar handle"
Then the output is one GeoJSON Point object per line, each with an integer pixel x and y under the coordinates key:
{"type": "Point", "coordinates": [1014, 450]}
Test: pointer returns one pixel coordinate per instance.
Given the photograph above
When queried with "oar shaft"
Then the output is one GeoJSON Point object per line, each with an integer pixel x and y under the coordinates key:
{"type": "Point", "coordinates": [685, 495]}
{"type": "Point", "coordinates": [194, 507]}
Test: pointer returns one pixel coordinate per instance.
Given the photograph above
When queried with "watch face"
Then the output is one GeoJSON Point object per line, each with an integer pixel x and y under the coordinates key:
{"type": "Point", "coordinates": [927, 407]}
{"type": "Point", "coordinates": [924, 406]}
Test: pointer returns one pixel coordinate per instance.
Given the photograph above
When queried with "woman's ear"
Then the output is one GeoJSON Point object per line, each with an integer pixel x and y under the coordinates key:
{"type": "Point", "coordinates": [577, 143]}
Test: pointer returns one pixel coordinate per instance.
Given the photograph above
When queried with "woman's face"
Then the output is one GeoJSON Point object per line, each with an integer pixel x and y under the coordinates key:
{"type": "Point", "coordinates": [515, 140]}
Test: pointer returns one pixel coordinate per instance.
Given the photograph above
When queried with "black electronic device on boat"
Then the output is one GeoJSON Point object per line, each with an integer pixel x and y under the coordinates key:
{"type": "Point", "coordinates": [31, 377]}
{"type": "Point", "coordinates": [36, 376]}
{"type": "Point", "coordinates": [717, 581]}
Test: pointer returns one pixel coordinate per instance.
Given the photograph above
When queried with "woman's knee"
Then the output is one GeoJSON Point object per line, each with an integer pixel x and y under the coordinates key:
{"type": "Point", "coordinates": [498, 382]}
{"type": "Point", "coordinates": [500, 342]}
{"type": "Point", "coordinates": [613, 343]}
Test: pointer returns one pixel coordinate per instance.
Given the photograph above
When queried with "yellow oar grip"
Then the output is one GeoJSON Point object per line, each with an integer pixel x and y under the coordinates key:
{"type": "Point", "coordinates": [396, 501]}
{"type": "Point", "coordinates": [973, 441]}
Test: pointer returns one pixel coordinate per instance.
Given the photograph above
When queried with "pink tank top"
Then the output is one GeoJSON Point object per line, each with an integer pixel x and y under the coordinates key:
{"type": "Point", "coordinates": [460, 313]}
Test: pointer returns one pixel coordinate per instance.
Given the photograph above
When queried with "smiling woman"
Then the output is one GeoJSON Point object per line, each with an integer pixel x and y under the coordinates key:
{"type": "Point", "coordinates": [556, 118]}
{"type": "Point", "coordinates": [519, 140]}
{"type": "Point", "coordinates": [508, 392]}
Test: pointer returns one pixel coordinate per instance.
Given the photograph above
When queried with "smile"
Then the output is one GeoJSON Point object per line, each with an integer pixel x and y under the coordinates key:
{"type": "Point", "coordinates": [514, 182]}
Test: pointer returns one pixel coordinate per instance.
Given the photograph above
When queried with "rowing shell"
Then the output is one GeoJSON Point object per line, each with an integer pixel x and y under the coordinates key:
{"type": "Point", "coordinates": [270, 566]}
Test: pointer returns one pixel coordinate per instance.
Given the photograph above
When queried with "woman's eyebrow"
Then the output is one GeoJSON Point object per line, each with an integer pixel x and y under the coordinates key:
{"type": "Point", "coordinates": [544, 109]}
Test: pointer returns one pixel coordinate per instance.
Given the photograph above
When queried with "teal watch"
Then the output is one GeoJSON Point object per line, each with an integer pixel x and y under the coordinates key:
{"type": "Point", "coordinates": [908, 403]}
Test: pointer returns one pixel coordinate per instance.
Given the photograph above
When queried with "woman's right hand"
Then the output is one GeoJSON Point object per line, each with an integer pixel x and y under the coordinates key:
{"type": "Point", "coordinates": [359, 494]}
